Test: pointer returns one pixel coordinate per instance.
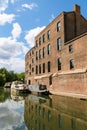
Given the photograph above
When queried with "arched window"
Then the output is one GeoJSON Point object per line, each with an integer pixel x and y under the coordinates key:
{"type": "Point", "coordinates": [59, 44]}
{"type": "Point", "coordinates": [58, 26]}
{"type": "Point", "coordinates": [48, 49]}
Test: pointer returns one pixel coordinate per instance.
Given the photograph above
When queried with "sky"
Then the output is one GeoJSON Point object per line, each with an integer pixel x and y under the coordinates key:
{"type": "Point", "coordinates": [21, 21]}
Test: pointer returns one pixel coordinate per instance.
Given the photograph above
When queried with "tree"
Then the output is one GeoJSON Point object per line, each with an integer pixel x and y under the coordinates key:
{"type": "Point", "coordinates": [9, 76]}
{"type": "Point", "coordinates": [2, 79]}
{"type": "Point", "coordinates": [21, 76]}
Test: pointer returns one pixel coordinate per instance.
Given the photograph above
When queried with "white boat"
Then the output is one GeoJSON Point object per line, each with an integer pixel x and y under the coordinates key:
{"type": "Point", "coordinates": [7, 85]}
{"type": "Point", "coordinates": [19, 86]}
{"type": "Point", "coordinates": [38, 89]}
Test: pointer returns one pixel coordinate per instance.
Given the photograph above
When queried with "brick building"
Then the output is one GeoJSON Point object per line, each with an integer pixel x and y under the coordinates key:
{"type": "Point", "coordinates": [59, 56]}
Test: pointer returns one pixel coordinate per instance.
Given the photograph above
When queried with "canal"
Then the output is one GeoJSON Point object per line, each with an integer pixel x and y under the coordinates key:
{"type": "Point", "coordinates": [31, 112]}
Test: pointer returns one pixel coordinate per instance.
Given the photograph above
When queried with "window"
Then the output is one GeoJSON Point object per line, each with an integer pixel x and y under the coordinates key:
{"type": "Point", "coordinates": [40, 69]}
{"type": "Point", "coordinates": [32, 60]}
{"type": "Point", "coordinates": [36, 69]}
{"type": "Point", "coordinates": [50, 80]}
{"type": "Point", "coordinates": [29, 73]}
{"type": "Point", "coordinates": [40, 41]}
{"type": "Point", "coordinates": [59, 63]}
{"type": "Point", "coordinates": [48, 66]}
{"type": "Point", "coordinates": [44, 38]}
{"type": "Point", "coordinates": [43, 52]}
{"type": "Point", "coordinates": [59, 44]}
{"type": "Point", "coordinates": [48, 49]}
{"type": "Point", "coordinates": [70, 48]}
{"type": "Point", "coordinates": [71, 64]}
{"type": "Point", "coordinates": [32, 52]}
{"type": "Point", "coordinates": [30, 66]}
{"type": "Point", "coordinates": [49, 115]}
{"type": "Point", "coordinates": [32, 69]}
{"type": "Point", "coordinates": [73, 124]}
{"type": "Point", "coordinates": [36, 55]}
{"type": "Point", "coordinates": [36, 43]}
{"type": "Point", "coordinates": [29, 82]}
{"type": "Point", "coordinates": [43, 67]}
{"type": "Point", "coordinates": [58, 27]}
{"type": "Point", "coordinates": [48, 34]}
{"type": "Point", "coordinates": [60, 121]}
{"type": "Point", "coordinates": [40, 54]}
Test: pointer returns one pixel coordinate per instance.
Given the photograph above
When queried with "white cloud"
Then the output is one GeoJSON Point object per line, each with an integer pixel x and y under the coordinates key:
{"type": "Point", "coordinates": [52, 18]}
{"type": "Point", "coordinates": [9, 48]}
{"type": "Point", "coordinates": [17, 64]}
{"type": "Point", "coordinates": [6, 18]}
{"type": "Point", "coordinates": [10, 54]}
{"type": "Point", "coordinates": [16, 31]}
{"type": "Point", "coordinates": [31, 35]}
{"type": "Point", "coordinates": [3, 5]}
{"type": "Point", "coordinates": [29, 6]}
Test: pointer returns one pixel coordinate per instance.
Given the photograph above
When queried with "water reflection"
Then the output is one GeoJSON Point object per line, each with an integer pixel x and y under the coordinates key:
{"type": "Point", "coordinates": [11, 112]}
{"type": "Point", "coordinates": [55, 113]}
{"type": "Point", "coordinates": [22, 112]}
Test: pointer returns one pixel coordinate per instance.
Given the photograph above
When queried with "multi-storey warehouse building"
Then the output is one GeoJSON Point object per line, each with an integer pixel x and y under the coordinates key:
{"type": "Point", "coordinates": [59, 56]}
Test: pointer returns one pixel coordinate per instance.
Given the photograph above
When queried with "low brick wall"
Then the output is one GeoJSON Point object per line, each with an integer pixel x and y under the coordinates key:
{"type": "Point", "coordinates": [74, 83]}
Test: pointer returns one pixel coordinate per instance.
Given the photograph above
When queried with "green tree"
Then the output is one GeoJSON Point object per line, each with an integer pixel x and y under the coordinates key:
{"type": "Point", "coordinates": [9, 76]}
{"type": "Point", "coordinates": [21, 76]}
{"type": "Point", "coordinates": [2, 79]}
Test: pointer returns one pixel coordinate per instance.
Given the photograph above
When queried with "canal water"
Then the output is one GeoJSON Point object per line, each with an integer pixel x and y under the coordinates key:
{"type": "Point", "coordinates": [30, 112]}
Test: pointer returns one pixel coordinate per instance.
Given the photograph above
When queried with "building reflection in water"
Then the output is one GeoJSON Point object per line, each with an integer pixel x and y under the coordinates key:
{"type": "Point", "coordinates": [55, 113]}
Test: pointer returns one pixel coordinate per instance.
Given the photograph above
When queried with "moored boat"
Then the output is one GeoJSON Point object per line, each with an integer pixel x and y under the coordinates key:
{"type": "Point", "coordinates": [7, 85]}
{"type": "Point", "coordinates": [19, 86]}
{"type": "Point", "coordinates": [38, 89]}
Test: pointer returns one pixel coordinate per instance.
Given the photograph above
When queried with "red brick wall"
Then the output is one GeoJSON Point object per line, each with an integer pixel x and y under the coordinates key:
{"type": "Point", "coordinates": [72, 25]}
{"type": "Point", "coordinates": [74, 83]}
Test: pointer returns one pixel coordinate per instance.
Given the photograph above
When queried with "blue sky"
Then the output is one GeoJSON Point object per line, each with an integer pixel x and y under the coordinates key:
{"type": "Point", "coordinates": [21, 21]}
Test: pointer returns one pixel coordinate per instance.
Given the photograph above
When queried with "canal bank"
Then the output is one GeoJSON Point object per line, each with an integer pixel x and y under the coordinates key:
{"type": "Point", "coordinates": [73, 95]}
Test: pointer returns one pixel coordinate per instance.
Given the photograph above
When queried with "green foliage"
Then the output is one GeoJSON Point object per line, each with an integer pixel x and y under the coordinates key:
{"type": "Point", "coordinates": [2, 79]}
{"type": "Point", "coordinates": [21, 76]}
{"type": "Point", "coordinates": [9, 76]}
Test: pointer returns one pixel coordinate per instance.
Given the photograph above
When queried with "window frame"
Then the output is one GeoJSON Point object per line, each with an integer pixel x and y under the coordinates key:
{"type": "Point", "coordinates": [59, 44]}
{"type": "Point", "coordinates": [32, 69]}
{"type": "Point", "coordinates": [43, 67]}
{"type": "Point", "coordinates": [39, 68]}
{"type": "Point", "coordinates": [72, 64]}
{"type": "Point", "coordinates": [48, 34]}
{"type": "Point", "coordinates": [36, 43]}
{"type": "Point", "coordinates": [40, 41]}
{"type": "Point", "coordinates": [49, 66]}
{"type": "Point", "coordinates": [71, 48]}
{"type": "Point", "coordinates": [58, 26]}
{"type": "Point", "coordinates": [44, 38]}
{"type": "Point", "coordinates": [40, 54]}
{"type": "Point", "coordinates": [36, 55]}
{"type": "Point", "coordinates": [43, 52]}
{"type": "Point", "coordinates": [59, 63]}
{"type": "Point", "coordinates": [48, 49]}
{"type": "Point", "coordinates": [36, 69]}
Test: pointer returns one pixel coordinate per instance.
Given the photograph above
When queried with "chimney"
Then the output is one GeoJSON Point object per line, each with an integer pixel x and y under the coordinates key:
{"type": "Point", "coordinates": [77, 8]}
